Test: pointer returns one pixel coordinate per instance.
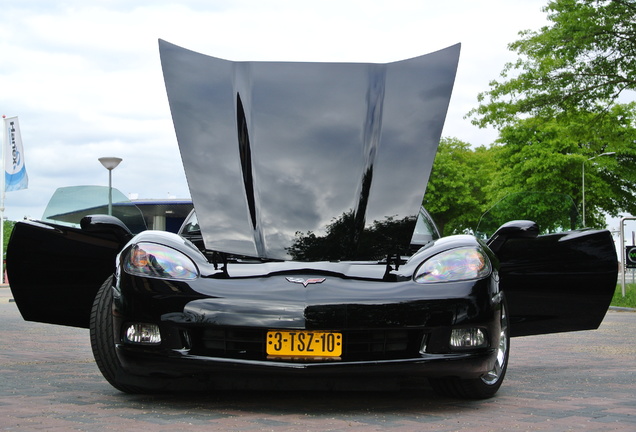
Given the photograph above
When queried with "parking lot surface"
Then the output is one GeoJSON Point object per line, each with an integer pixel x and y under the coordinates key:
{"type": "Point", "coordinates": [563, 382]}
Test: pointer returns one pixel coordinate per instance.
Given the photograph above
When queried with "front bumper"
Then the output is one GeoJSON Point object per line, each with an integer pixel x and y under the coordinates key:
{"type": "Point", "coordinates": [222, 338]}
{"type": "Point", "coordinates": [243, 368]}
{"type": "Point", "coordinates": [183, 371]}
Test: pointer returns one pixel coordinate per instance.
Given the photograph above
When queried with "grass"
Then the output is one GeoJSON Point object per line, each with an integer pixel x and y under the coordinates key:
{"type": "Point", "coordinates": [630, 296]}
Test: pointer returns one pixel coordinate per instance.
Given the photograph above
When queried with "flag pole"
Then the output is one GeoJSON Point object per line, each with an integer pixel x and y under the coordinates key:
{"type": "Point", "coordinates": [2, 194]}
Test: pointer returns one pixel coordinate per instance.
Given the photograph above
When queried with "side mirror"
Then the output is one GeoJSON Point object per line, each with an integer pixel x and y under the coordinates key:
{"type": "Point", "coordinates": [512, 230]}
{"type": "Point", "coordinates": [106, 224]}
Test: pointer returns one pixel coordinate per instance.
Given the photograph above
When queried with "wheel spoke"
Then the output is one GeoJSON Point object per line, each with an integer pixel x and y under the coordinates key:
{"type": "Point", "coordinates": [502, 349]}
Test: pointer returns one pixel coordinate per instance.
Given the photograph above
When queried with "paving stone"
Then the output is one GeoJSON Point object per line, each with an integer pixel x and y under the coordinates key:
{"type": "Point", "coordinates": [582, 381]}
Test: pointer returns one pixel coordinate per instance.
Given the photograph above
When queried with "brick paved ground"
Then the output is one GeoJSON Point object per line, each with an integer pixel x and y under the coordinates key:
{"type": "Point", "coordinates": [567, 382]}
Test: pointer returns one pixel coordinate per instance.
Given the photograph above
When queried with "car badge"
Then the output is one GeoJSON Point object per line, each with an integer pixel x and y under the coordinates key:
{"type": "Point", "coordinates": [305, 282]}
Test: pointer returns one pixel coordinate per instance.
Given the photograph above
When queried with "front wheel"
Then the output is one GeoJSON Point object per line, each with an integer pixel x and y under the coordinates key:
{"type": "Point", "coordinates": [103, 342]}
{"type": "Point", "coordinates": [488, 384]}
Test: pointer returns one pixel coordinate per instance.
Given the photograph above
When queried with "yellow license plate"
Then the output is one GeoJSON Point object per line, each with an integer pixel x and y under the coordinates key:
{"type": "Point", "coordinates": [304, 343]}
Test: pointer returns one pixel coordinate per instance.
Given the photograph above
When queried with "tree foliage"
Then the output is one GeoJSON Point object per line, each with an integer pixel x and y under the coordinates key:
{"type": "Point", "coordinates": [8, 228]}
{"type": "Point", "coordinates": [456, 192]}
{"type": "Point", "coordinates": [583, 61]}
{"type": "Point", "coordinates": [549, 155]}
{"type": "Point", "coordinates": [553, 212]}
{"type": "Point", "coordinates": [538, 159]}
{"type": "Point", "coordinates": [557, 108]}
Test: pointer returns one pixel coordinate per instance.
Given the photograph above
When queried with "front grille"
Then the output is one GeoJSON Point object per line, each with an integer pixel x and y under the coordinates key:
{"type": "Point", "coordinates": [381, 344]}
{"type": "Point", "coordinates": [231, 342]}
{"type": "Point", "coordinates": [359, 345]}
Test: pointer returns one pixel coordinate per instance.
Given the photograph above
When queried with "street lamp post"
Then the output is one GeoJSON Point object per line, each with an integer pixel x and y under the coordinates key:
{"type": "Point", "coordinates": [110, 163]}
{"type": "Point", "coordinates": [583, 178]}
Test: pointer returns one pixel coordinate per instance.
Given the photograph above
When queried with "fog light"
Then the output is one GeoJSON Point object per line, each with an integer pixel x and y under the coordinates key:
{"type": "Point", "coordinates": [140, 333]}
{"type": "Point", "coordinates": [468, 338]}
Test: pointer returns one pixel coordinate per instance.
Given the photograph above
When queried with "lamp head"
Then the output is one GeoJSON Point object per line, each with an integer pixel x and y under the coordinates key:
{"type": "Point", "coordinates": [110, 163]}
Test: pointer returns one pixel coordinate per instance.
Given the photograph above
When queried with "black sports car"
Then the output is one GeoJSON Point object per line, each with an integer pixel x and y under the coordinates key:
{"type": "Point", "coordinates": [308, 256]}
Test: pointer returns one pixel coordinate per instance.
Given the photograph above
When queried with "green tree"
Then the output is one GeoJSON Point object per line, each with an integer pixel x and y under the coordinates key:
{"type": "Point", "coordinates": [583, 61]}
{"type": "Point", "coordinates": [548, 155]}
{"type": "Point", "coordinates": [553, 212]}
{"type": "Point", "coordinates": [8, 228]}
{"type": "Point", "coordinates": [455, 196]}
{"type": "Point", "coordinates": [557, 107]}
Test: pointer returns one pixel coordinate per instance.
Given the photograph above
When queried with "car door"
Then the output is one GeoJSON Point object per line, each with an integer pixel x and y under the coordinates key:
{"type": "Point", "coordinates": [55, 271]}
{"type": "Point", "coordinates": [558, 282]}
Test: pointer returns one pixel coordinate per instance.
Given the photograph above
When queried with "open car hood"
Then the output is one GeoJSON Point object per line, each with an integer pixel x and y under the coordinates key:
{"type": "Point", "coordinates": [307, 161]}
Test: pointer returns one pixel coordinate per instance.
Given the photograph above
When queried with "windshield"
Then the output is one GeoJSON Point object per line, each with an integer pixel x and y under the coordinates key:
{"type": "Point", "coordinates": [425, 229]}
{"type": "Point", "coordinates": [553, 212]}
{"type": "Point", "coordinates": [311, 247]}
{"type": "Point", "coordinates": [190, 225]}
{"type": "Point", "coordinates": [69, 205]}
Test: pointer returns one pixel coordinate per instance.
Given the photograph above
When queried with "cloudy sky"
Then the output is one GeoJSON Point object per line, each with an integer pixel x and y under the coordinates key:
{"type": "Point", "coordinates": [84, 77]}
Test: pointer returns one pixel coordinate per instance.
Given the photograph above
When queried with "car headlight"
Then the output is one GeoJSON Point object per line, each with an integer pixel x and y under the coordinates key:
{"type": "Point", "coordinates": [155, 260]}
{"type": "Point", "coordinates": [463, 263]}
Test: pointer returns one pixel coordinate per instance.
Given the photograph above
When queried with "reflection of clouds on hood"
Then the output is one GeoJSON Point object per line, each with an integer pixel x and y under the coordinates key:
{"type": "Point", "coordinates": [307, 125]}
{"type": "Point", "coordinates": [310, 127]}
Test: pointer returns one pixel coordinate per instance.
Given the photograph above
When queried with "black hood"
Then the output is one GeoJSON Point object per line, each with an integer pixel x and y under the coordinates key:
{"type": "Point", "coordinates": [307, 161]}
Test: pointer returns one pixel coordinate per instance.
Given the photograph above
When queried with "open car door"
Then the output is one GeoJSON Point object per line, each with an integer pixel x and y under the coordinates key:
{"type": "Point", "coordinates": [55, 267]}
{"type": "Point", "coordinates": [554, 282]}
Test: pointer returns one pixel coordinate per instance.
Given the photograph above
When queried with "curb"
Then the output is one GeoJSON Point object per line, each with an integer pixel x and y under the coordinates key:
{"type": "Point", "coordinates": [621, 309]}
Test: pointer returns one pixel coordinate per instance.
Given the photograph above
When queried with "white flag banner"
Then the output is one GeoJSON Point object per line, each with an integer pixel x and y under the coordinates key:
{"type": "Point", "coordinates": [14, 169]}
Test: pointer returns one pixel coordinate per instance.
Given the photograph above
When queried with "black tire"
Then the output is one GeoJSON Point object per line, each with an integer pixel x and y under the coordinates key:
{"type": "Point", "coordinates": [102, 341]}
{"type": "Point", "coordinates": [487, 385]}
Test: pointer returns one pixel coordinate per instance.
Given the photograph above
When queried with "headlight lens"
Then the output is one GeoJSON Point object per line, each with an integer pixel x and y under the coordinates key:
{"type": "Point", "coordinates": [155, 260]}
{"type": "Point", "coordinates": [454, 265]}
